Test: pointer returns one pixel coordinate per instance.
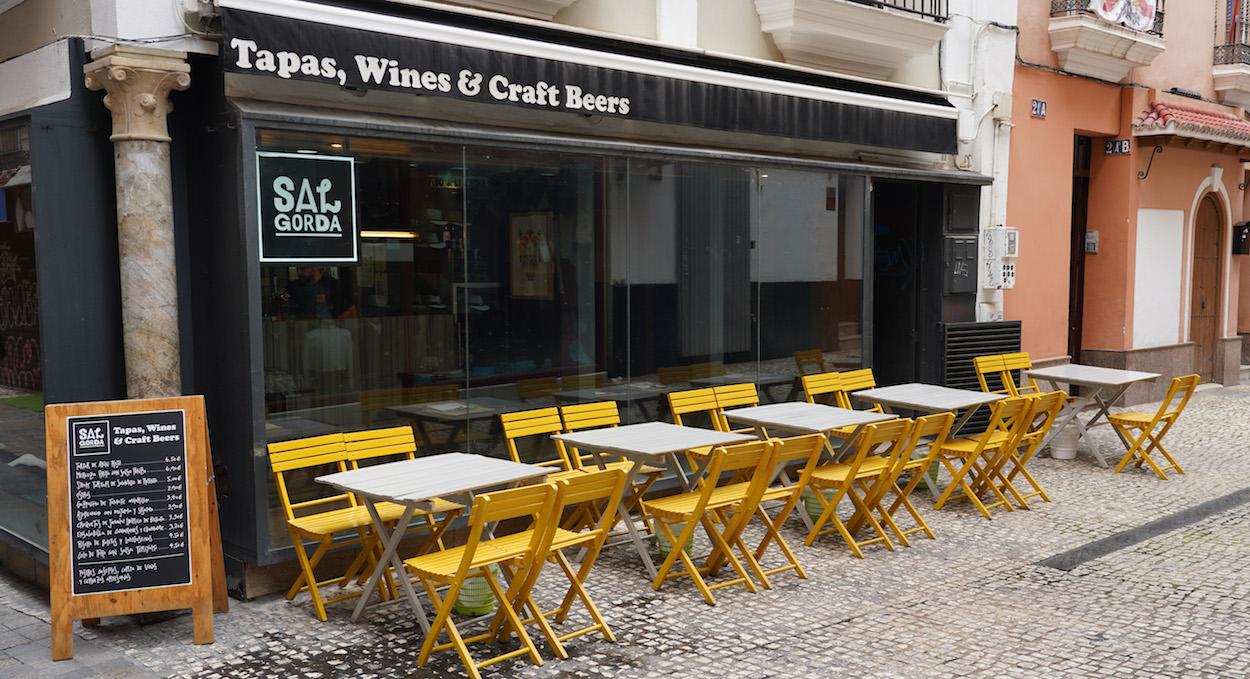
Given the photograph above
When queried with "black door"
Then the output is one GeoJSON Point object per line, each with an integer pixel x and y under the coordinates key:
{"type": "Point", "coordinates": [895, 277]}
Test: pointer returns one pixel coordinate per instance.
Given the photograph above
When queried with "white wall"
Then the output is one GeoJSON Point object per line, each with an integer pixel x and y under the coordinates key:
{"type": "Point", "coordinates": [1157, 280]}
{"type": "Point", "coordinates": [798, 237]}
{"type": "Point", "coordinates": [978, 60]}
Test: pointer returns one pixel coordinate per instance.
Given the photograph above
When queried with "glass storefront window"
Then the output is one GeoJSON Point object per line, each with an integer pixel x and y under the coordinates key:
{"type": "Point", "coordinates": [493, 279]}
{"type": "Point", "coordinates": [23, 485]}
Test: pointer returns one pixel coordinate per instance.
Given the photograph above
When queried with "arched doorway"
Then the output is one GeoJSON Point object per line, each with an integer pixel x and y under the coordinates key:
{"type": "Point", "coordinates": [1204, 302]}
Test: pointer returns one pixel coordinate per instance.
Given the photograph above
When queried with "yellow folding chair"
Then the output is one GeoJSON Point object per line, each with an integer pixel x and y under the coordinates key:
{"type": "Point", "coordinates": [822, 384]}
{"type": "Point", "coordinates": [983, 455]}
{"type": "Point", "coordinates": [1004, 367]}
{"type": "Point", "coordinates": [808, 361]}
{"type": "Point", "coordinates": [875, 456]}
{"type": "Point", "coordinates": [587, 381]}
{"type": "Point", "coordinates": [603, 489]}
{"type": "Point", "coordinates": [594, 416]}
{"type": "Point", "coordinates": [734, 396]}
{"type": "Point", "coordinates": [385, 445]}
{"type": "Point", "coordinates": [930, 431]}
{"type": "Point", "coordinates": [524, 557]}
{"type": "Point", "coordinates": [324, 525]}
{"type": "Point", "coordinates": [537, 388]}
{"type": "Point", "coordinates": [677, 374]}
{"type": "Point", "coordinates": [786, 452]}
{"type": "Point", "coordinates": [853, 381]}
{"type": "Point", "coordinates": [729, 503]}
{"type": "Point", "coordinates": [682, 405]}
{"type": "Point", "coordinates": [1138, 428]}
{"type": "Point", "coordinates": [1045, 410]}
{"type": "Point", "coordinates": [709, 369]}
{"type": "Point", "coordinates": [538, 426]}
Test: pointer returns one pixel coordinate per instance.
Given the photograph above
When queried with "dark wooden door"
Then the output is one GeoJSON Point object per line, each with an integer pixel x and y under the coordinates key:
{"type": "Point", "coordinates": [1204, 302]}
{"type": "Point", "coordinates": [1081, 147]}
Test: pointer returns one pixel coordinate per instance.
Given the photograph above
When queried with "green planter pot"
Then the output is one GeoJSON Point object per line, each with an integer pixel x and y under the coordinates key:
{"type": "Point", "coordinates": [662, 542]}
{"type": "Point", "coordinates": [475, 597]}
{"type": "Point", "coordinates": [812, 506]}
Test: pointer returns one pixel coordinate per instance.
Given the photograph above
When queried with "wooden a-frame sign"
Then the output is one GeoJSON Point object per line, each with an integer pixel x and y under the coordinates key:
{"type": "Point", "coordinates": [132, 514]}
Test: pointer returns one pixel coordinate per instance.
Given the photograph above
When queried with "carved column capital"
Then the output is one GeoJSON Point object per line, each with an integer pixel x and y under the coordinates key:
{"type": "Point", "coordinates": [137, 82]}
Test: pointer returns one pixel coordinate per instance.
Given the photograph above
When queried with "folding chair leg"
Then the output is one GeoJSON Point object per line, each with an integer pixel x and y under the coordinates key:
{"type": "Point", "coordinates": [307, 566]}
{"type": "Point", "coordinates": [1019, 470]}
{"type": "Point", "coordinates": [902, 499]}
{"type": "Point", "coordinates": [442, 620]}
{"type": "Point", "coordinates": [862, 506]}
{"type": "Point", "coordinates": [577, 589]}
{"type": "Point", "coordinates": [677, 551]}
{"type": "Point", "coordinates": [1134, 449]}
{"type": "Point", "coordinates": [714, 563]}
{"type": "Point", "coordinates": [772, 534]}
{"type": "Point", "coordinates": [959, 482]}
{"type": "Point", "coordinates": [719, 541]}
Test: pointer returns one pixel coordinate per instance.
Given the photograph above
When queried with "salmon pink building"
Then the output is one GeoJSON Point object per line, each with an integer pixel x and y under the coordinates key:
{"type": "Point", "coordinates": [1129, 153]}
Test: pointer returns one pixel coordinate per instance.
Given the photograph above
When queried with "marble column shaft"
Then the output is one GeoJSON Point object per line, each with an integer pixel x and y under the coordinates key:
{"type": "Point", "coordinates": [137, 82]}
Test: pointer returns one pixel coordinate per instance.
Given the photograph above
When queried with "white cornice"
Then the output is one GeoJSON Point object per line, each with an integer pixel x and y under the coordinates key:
{"type": "Point", "coordinates": [533, 9]}
{"type": "Point", "coordinates": [1232, 84]}
{"type": "Point", "coordinates": [1087, 45]}
{"type": "Point", "coordinates": [847, 37]}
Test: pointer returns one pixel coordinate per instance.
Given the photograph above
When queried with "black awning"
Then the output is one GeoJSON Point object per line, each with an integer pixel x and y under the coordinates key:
{"type": "Point", "coordinates": [365, 45]}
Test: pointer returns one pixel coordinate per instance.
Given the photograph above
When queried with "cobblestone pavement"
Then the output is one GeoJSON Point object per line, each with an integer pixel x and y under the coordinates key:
{"type": "Point", "coordinates": [974, 602]}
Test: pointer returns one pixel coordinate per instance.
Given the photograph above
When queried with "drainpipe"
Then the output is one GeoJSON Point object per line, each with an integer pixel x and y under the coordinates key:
{"type": "Point", "coordinates": [137, 82]}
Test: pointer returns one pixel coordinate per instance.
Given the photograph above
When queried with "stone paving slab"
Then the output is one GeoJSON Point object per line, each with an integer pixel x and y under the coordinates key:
{"type": "Point", "coordinates": [974, 602]}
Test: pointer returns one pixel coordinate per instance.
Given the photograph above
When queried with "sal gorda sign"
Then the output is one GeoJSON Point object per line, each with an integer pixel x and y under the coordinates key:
{"type": "Point", "coordinates": [307, 207]}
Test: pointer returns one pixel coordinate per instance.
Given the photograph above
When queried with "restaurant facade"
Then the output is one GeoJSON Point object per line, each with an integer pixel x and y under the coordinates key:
{"type": "Point", "coordinates": [391, 213]}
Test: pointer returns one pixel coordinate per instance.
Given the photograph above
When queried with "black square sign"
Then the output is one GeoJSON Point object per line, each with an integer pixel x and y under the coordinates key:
{"type": "Point", "coordinates": [307, 205]}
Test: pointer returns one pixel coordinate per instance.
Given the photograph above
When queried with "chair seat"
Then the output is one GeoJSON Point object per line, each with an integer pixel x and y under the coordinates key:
{"type": "Point", "coordinates": [837, 473]}
{"type": "Point", "coordinates": [518, 543]}
{"type": "Point", "coordinates": [351, 518]}
{"type": "Point", "coordinates": [625, 465]}
{"type": "Point", "coordinates": [1132, 419]}
{"type": "Point", "coordinates": [683, 504]}
{"type": "Point", "coordinates": [444, 564]}
{"type": "Point", "coordinates": [967, 446]}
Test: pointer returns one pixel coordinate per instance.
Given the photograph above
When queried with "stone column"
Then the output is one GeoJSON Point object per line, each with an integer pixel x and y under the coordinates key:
{"type": "Point", "coordinates": [137, 82]}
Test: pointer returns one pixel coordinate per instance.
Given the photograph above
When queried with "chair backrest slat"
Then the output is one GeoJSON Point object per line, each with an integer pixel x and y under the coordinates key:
{"type": "Point", "coordinates": [514, 503]}
{"type": "Point", "coordinates": [693, 401]}
{"type": "Point", "coordinates": [1181, 388]}
{"type": "Point", "coordinates": [798, 448]}
{"type": "Point", "coordinates": [307, 453]}
{"type": "Point", "coordinates": [733, 396]}
{"type": "Point", "coordinates": [374, 444]}
{"type": "Point", "coordinates": [585, 416]}
{"type": "Point", "coordinates": [820, 384]}
{"type": "Point", "coordinates": [541, 422]}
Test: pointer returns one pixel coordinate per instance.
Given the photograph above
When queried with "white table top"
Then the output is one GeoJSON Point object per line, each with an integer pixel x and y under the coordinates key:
{"type": "Point", "coordinates": [1091, 376]}
{"type": "Point", "coordinates": [649, 439]}
{"type": "Point", "coordinates": [421, 480]}
{"type": "Point", "coordinates": [611, 392]}
{"type": "Point", "coordinates": [805, 417]}
{"type": "Point", "coordinates": [740, 378]}
{"type": "Point", "coordinates": [459, 409]}
{"type": "Point", "coordinates": [929, 398]}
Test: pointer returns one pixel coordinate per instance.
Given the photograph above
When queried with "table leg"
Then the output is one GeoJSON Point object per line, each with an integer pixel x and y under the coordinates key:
{"type": "Point", "coordinates": [1104, 406]}
{"type": "Point", "coordinates": [1066, 416]}
{"type": "Point", "coordinates": [390, 559]}
{"type": "Point", "coordinates": [623, 510]}
{"type": "Point", "coordinates": [963, 419]}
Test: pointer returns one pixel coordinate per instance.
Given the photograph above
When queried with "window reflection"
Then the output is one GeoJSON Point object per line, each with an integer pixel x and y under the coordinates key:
{"type": "Point", "coordinates": [494, 280]}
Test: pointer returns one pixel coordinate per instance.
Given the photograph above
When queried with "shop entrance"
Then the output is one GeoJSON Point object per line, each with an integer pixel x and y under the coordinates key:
{"type": "Point", "coordinates": [1204, 301]}
{"type": "Point", "coordinates": [21, 360]}
{"type": "Point", "coordinates": [1080, 210]}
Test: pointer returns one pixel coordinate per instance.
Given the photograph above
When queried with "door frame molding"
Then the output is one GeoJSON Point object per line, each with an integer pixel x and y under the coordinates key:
{"type": "Point", "coordinates": [1208, 186]}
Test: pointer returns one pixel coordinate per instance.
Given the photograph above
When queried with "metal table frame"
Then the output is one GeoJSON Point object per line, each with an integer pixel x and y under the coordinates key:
{"type": "Point", "coordinates": [648, 443]}
{"type": "Point", "coordinates": [393, 482]}
{"type": "Point", "coordinates": [809, 418]}
{"type": "Point", "coordinates": [1098, 381]}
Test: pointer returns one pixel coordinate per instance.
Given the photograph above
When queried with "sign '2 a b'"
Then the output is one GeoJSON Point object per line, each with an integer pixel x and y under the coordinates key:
{"type": "Point", "coordinates": [307, 208]}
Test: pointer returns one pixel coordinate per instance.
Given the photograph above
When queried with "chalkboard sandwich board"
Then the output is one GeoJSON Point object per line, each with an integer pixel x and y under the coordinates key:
{"type": "Point", "coordinates": [132, 524]}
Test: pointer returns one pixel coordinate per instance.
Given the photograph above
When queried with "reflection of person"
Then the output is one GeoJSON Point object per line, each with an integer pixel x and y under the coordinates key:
{"type": "Point", "coordinates": [314, 294]}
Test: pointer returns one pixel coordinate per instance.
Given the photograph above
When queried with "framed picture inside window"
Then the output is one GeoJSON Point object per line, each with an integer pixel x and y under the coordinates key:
{"type": "Point", "coordinates": [531, 257]}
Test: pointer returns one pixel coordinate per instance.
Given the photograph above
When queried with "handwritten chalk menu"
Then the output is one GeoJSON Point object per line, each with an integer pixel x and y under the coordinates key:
{"type": "Point", "coordinates": [132, 514]}
{"type": "Point", "coordinates": [128, 501]}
